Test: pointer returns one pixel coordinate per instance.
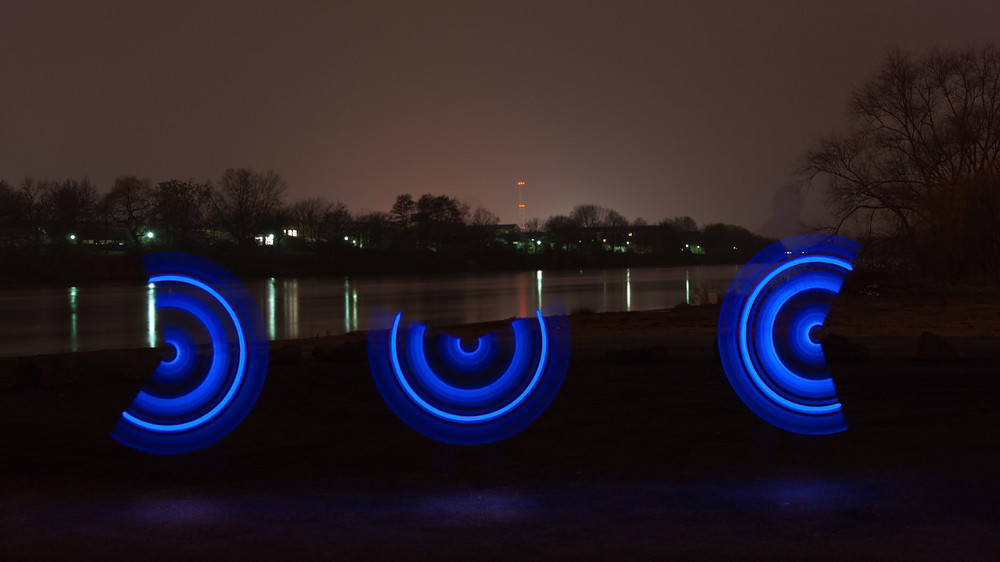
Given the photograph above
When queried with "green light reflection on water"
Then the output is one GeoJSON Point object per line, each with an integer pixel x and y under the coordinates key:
{"type": "Point", "coordinates": [628, 290]}
{"type": "Point", "coordinates": [151, 314]}
{"type": "Point", "coordinates": [538, 276]}
{"type": "Point", "coordinates": [73, 334]}
{"type": "Point", "coordinates": [272, 328]}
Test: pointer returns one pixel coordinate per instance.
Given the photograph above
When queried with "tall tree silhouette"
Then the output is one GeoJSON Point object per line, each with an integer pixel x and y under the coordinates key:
{"type": "Point", "coordinates": [247, 203]}
{"type": "Point", "coordinates": [920, 158]}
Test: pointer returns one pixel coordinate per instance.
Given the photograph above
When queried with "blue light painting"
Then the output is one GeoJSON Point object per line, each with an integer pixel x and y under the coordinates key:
{"type": "Point", "coordinates": [469, 392]}
{"type": "Point", "coordinates": [216, 362]}
{"type": "Point", "coordinates": [768, 329]}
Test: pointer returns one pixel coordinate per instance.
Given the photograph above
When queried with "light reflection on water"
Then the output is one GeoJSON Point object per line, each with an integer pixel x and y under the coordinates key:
{"type": "Point", "coordinates": [73, 334]}
{"type": "Point", "coordinates": [628, 290]}
{"type": "Point", "coordinates": [538, 275]}
{"type": "Point", "coordinates": [290, 304]}
{"type": "Point", "coordinates": [151, 333]}
{"type": "Point", "coordinates": [51, 320]}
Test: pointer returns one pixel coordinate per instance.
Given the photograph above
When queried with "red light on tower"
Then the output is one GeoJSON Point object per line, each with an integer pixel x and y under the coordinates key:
{"type": "Point", "coordinates": [520, 203]}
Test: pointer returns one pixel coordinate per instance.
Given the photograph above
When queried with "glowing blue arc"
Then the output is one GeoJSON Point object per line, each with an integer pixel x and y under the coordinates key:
{"type": "Point", "coordinates": [182, 360]}
{"type": "Point", "coordinates": [178, 354]}
{"type": "Point", "coordinates": [213, 381]}
{"type": "Point", "coordinates": [240, 371]}
{"type": "Point", "coordinates": [804, 347]}
{"type": "Point", "coordinates": [744, 321]}
{"type": "Point", "coordinates": [469, 419]}
{"type": "Point", "coordinates": [467, 358]}
{"type": "Point", "coordinates": [464, 397]}
{"type": "Point", "coordinates": [766, 317]}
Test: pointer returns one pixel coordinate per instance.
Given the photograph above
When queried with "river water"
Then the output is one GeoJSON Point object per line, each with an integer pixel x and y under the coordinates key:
{"type": "Point", "coordinates": [60, 319]}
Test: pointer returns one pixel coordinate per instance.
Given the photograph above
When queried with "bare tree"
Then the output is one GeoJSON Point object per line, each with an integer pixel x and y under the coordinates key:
{"type": "Point", "coordinates": [68, 206]}
{"type": "Point", "coordinates": [590, 215]}
{"type": "Point", "coordinates": [372, 228]}
{"type": "Point", "coordinates": [614, 218]}
{"type": "Point", "coordinates": [248, 202]}
{"type": "Point", "coordinates": [441, 209]}
{"type": "Point", "coordinates": [11, 214]}
{"type": "Point", "coordinates": [683, 224]}
{"type": "Point", "coordinates": [920, 158]}
{"type": "Point", "coordinates": [320, 220]}
{"type": "Point", "coordinates": [484, 217]}
{"type": "Point", "coordinates": [33, 212]}
{"type": "Point", "coordinates": [336, 219]}
{"type": "Point", "coordinates": [587, 215]}
{"type": "Point", "coordinates": [563, 231]}
{"type": "Point", "coordinates": [676, 235]}
{"type": "Point", "coordinates": [403, 208]}
{"type": "Point", "coordinates": [129, 205]}
{"type": "Point", "coordinates": [439, 219]}
{"type": "Point", "coordinates": [181, 209]}
{"type": "Point", "coordinates": [308, 215]}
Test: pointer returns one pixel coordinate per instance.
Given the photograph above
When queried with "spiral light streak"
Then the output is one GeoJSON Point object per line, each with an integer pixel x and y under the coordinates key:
{"type": "Point", "coordinates": [472, 394]}
{"type": "Point", "coordinates": [767, 329]}
{"type": "Point", "coordinates": [214, 330]}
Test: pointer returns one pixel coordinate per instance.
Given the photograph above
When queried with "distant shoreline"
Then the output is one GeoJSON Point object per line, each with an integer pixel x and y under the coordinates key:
{"type": "Point", "coordinates": [60, 269]}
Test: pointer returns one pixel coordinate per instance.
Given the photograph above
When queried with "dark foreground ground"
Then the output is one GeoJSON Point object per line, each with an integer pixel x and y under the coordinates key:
{"type": "Point", "coordinates": [645, 453]}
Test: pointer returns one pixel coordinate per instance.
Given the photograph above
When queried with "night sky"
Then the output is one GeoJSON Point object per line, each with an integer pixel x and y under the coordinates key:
{"type": "Point", "coordinates": [655, 109]}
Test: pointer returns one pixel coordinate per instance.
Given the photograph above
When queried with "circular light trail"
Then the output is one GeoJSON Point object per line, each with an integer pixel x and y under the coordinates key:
{"type": "Point", "coordinates": [491, 390]}
{"type": "Point", "coordinates": [219, 361]}
{"type": "Point", "coordinates": [767, 332]}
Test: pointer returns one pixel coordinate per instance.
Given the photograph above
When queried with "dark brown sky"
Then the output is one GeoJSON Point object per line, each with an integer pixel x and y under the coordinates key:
{"type": "Point", "coordinates": [652, 108]}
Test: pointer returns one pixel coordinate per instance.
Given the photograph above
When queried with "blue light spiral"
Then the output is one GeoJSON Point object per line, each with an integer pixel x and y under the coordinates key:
{"type": "Point", "coordinates": [473, 394]}
{"type": "Point", "coordinates": [767, 332]}
{"type": "Point", "coordinates": [214, 331]}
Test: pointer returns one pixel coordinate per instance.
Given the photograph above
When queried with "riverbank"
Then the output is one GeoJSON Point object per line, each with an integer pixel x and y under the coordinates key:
{"type": "Point", "coordinates": [646, 452]}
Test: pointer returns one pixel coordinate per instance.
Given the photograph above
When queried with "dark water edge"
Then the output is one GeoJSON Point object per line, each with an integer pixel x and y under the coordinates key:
{"type": "Point", "coordinates": [61, 269]}
{"type": "Point", "coordinates": [87, 268]}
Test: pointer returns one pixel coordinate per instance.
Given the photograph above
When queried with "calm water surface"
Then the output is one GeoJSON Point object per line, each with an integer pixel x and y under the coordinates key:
{"type": "Point", "coordinates": [53, 319]}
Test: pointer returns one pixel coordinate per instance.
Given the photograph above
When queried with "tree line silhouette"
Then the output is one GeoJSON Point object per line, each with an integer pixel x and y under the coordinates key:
{"type": "Point", "coordinates": [914, 176]}
{"type": "Point", "coordinates": [245, 214]}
